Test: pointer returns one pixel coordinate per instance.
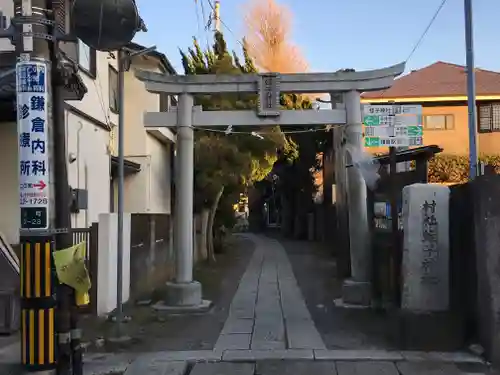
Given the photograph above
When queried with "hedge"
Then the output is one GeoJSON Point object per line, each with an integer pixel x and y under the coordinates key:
{"type": "Point", "coordinates": [455, 168]}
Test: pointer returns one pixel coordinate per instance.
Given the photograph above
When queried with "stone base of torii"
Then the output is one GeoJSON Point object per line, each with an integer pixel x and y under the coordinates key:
{"type": "Point", "coordinates": [185, 294]}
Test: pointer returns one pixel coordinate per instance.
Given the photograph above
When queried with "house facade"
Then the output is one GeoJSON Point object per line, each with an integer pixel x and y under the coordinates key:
{"type": "Point", "coordinates": [91, 135]}
{"type": "Point", "coordinates": [148, 191]}
{"type": "Point", "coordinates": [441, 89]}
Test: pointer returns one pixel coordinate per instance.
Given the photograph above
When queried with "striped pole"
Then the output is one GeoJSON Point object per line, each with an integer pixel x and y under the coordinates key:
{"type": "Point", "coordinates": [38, 304]}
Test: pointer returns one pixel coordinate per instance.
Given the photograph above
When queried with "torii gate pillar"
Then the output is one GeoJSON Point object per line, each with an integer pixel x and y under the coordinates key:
{"type": "Point", "coordinates": [358, 289]}
{"type": "Point", "coordinates": [184, 294]}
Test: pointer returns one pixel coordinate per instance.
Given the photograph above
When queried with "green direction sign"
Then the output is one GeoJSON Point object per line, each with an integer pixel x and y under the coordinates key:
{"type": "Point", "coordinates": [415, 131]}
{"type": "Point", "coordinates": [372, 120]}
{"type": "Point", "coordinates": [372, 141]}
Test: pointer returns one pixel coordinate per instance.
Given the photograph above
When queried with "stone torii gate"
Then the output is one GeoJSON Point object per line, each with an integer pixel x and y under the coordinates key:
{"type": "Point", "coordinates": [185, 293]}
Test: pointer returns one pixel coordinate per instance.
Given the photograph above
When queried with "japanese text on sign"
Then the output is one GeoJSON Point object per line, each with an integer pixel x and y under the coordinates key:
{"type": "Point", "coordinates": [31, 82]}
{"type": "Point", "coordinates": [269, 95]}
{"type": "Point", "coordinates": [429, 241]}
{"type": "Point", "coordinates": [393, 109]}
{"type": "Point", "coordinates": [393, 125]}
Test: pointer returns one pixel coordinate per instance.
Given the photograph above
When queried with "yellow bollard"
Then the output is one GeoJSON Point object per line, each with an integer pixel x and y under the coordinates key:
{"type": "Point", "coordinates": [38, 304]}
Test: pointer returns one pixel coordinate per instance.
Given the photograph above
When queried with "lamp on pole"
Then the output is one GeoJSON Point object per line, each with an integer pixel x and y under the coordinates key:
{"type": "Point", "coordinates": [125, 57]}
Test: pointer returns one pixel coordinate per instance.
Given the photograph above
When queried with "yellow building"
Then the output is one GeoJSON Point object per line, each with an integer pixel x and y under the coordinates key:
{"type": "Point", "coordinates": [441, 89]}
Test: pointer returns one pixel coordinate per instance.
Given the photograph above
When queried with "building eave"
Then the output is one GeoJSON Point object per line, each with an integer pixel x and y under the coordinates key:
{"type": "Point", "coordinates": [164, 61]}
{"type": "Point", "coordinates": [164, 135]}
{"type": "Point", "coordinates": [428, 99]}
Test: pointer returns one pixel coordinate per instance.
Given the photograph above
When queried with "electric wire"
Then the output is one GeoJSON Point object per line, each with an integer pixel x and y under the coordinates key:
{"type": "Point", "coordinates": [415, 47]}
{"type": "Point", "coordinates": [254, 133]}
{"type": "Point", "coordinates": [198, 20]}
{"type": "Point", "coordinates": [419, 41]}
{"type": "Point", "coordinates": [426, 30]}
{"type": "Point", "coordinates": [99, 90]}
{"type": "Point", "coordinates": [225, 25]}
{"type": "Point", "coordinates": [205, 22]}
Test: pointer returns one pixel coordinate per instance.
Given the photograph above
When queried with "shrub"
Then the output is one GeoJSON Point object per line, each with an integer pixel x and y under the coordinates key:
{"type": "Point", "coordinates": [455, 168]}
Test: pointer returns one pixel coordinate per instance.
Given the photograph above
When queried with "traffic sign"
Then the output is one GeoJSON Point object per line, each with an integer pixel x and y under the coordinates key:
{"type": "Point", "coordinates": [415, 131]}
{"type": "Point", "coordinates": [393, 125]}
{"type": "Point", "coordinates": [395, 109]}
{"type": "Point", "coordinates": [393, 131]}
{"type": "Point", "coordinates": [392, 120]}
{"type": "Point", "coordinates": [399, 141]}
{"type": "Point", "coordinates": [372, 142]}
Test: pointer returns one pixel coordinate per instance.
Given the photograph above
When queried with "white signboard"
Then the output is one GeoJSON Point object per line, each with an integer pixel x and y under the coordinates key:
{"type": "Point", "coordinates": [398, 141]}
{"type": "Point", "coordinates": [393, 125]}
{"type": "Point", "coordinates": [395, 109]}
{"type": "Point", "coordinates": [32, 116]}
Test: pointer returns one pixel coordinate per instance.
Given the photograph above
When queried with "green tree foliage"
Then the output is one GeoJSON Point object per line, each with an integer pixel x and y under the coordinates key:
{"type": "Point", "coordinates": [296, 172]}
{"type": "Point", "coordinates": [238, 160]}
{"type": "Point", "coordinates": [227, 160]}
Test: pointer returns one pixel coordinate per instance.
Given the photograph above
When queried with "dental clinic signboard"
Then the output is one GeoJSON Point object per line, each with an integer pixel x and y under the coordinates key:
{"type": "Point", "coordinates": [33, 169]}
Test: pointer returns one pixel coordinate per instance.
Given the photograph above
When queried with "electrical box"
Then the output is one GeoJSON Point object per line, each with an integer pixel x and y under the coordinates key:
{"type": "Point", "coordinates": [79, 200]}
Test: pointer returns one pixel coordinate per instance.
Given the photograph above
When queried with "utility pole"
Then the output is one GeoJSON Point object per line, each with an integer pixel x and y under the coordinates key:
{"type": "Point", "coordinates": [217, 16]}
{"type": "Point", "coordinates": [471, 89]}
{"type": "Point", "coordinates": [121, 176]}
{"type": "Point", "coordinates": [45, 199]}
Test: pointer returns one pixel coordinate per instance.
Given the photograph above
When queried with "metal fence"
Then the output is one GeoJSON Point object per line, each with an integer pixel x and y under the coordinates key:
{"type": "Point", "coordinates": [89, 236]}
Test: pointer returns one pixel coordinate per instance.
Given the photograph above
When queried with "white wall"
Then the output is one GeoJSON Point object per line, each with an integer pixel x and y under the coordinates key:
{"type": "Point", "coordinates": [7, 8]}
{"type": "Point", "coordinates": [91, 170]}
{"type": "Point", "coordinates": [159, 175]}
{"type": "Point", "coordinates": [149, 190]}
{"type": "Point", "coordinates": [9, 192]}
{"type": "Point", "coordinates": [107, 260]}
{"type": "Point", "coordinates": [96, 102]}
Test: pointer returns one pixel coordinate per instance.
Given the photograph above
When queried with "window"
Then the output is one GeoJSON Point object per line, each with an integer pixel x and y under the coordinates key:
{"type": "Point", "coordinates": [86, 59]}
{"type": "Point", "coordinates": [113, 89]}
{"type": "Point", "coordinates": [3, 21]}
{"type": "Point", "coordinates": [439, 122]}
{"type": "Point", "coordinates": [489, 117]}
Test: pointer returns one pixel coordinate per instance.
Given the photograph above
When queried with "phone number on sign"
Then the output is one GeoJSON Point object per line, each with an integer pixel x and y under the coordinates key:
{"type": "Point", "coordinates": [33, 201]}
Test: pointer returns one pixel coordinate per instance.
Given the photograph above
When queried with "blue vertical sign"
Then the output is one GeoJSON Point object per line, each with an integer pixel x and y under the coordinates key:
{"type": "Point", "coordinates": [32, 117]}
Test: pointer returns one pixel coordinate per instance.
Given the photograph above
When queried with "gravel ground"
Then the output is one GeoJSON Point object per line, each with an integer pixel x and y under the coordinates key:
{"type": "Point", "coordinates": [315, 270]}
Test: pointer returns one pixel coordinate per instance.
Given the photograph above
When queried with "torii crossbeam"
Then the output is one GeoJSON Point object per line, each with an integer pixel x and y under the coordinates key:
{"type": "Point", "coordinates": [186, 293]}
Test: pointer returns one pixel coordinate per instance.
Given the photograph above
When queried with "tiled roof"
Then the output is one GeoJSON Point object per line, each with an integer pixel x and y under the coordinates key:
{"type": "Point", "coordinates": [439, 79]}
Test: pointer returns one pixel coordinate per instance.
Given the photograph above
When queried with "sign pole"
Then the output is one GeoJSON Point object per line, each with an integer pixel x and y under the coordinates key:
{"type": "Point", "coordinates": [396, 126]}
{"type": "Point", "coordinates": [471, 90]}
{"type": "Point", "coordinates": [395, 253]}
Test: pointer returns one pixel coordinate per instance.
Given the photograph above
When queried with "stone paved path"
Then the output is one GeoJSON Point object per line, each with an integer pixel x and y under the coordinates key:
{"type": "Point", "coordinates": [268, 311]}
{"type": "Point", "coordinates": [269, 331]}
{"type": "Point", "coordinates": [304, 367]}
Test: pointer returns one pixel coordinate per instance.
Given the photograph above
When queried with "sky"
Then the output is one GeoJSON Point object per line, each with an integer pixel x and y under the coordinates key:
{"type": "Point", "coordinates": [359, 34]}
